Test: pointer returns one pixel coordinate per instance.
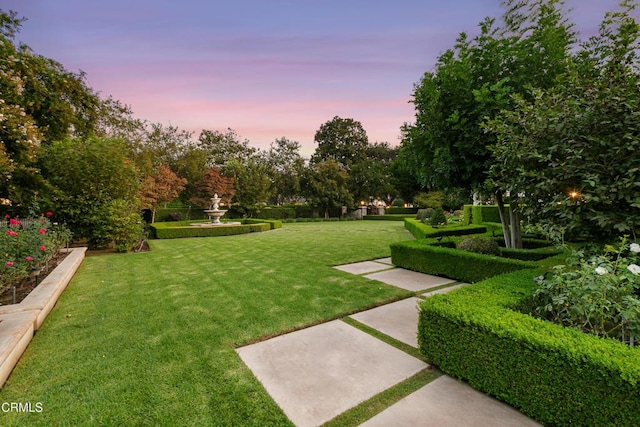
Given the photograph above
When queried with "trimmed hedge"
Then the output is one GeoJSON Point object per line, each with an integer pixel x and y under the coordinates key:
{"type": "Point", "coordinates": [478, 214]}
{"type": "Point", "coordinates": [273, 223]}
{"type": "Point", "coordinates": [530, 254]}
{"type": "Point", "coordinates": [175, 230]}
{"type": "Point", "coordinates": [453, 263]}
{"type": "Point", "coordinates": [277, 212]}
{"type": "Point", "coordinates": [422, 231]}
{"type": "Point", "coordinates": [388, 217]}
{"type": "Point", "coordinates": [556, 375]}
{"type": "Point", "coordinates": [393, 210]}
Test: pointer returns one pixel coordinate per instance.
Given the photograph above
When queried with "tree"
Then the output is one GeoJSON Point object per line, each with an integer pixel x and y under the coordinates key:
{"type": "Point", "coordinates": [447, 145]}
{"type": "Point", "coordinates": [286, 166]}
{"type": "Point", "coordinates": [342, 140]}
{"type": "Point", "coordinates": [573, 151]}
{"type": "Point", "coordinates": [222, 147]}
{"type": "Point", "coordinates": [252, 183]}
{"type": "Point", "coordinates": [371, 176]}
{"type": "Point", "coordinates": [213, 182]}
{"type": "Point", "coordinates": [162, 187]}
{"type": "Point", "coordinates": [42, 103]}
{"type": "Point", "coordinates": [325, 186]}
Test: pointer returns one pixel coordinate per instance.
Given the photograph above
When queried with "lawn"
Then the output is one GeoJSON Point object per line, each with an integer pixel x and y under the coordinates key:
{"type": "Point", "coordinates": [149, 338]}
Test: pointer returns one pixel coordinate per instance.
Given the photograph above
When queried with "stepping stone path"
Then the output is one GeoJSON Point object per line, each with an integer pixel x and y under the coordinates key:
{"type": "Point", "coordinates": [318, 373]}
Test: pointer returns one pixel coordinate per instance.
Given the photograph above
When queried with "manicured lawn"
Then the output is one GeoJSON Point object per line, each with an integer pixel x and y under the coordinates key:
{"type": "Point", "coordinates": [148, 339]}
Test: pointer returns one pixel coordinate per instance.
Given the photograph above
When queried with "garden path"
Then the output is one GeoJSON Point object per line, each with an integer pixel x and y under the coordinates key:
{"type": "Point", "coordinates": [317, 373]}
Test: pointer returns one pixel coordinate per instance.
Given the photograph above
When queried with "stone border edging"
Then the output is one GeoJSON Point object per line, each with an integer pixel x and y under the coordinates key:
{"type": "Point", "coordinates": [19, 322]}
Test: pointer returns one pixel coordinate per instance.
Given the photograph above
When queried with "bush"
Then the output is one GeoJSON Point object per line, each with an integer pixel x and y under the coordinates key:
{"type": "Point", "coordinates": [424, 214]}
{"type": "Point", "coordinates": [175, 216]}
{"type": "Point", "coordinates": [117, 224]}
{"type": "Point", "coordinates": [385, 217]}
{"type": "Point", "coordinates": [481, 213]}
{"type": "Point", "coordinates": [479, 245]}
{"type": "Point", "coordinates": [277, 213]}
{"type": "Point", "coordinates": [455, 264]}
{"type": "Point", "coordinates": [438, 218]}
{"type": "Point", "coordinates": [556, 375]}
{"type": "Point", "coordinates": [401, 211]}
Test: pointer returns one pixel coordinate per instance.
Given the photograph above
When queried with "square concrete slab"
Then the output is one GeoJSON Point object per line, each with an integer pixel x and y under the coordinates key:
{"type": "Point", "coordinates": [444, 290]}
{"type": "Point", "coordinates": [384, 261]}
{"type": "Point", "coordinates": [399, 320]}
{"type": "Point", "coordinates": [407, 279]}
{"type": "Point", "coordinates": [362, 267]}
{"type": "Point", "coordinates": [446, 402]}
{"type": "Point", "coordinates": [317, 373]}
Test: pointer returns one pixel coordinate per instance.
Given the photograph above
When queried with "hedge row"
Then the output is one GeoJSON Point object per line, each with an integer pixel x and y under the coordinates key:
{"type": "Point", "coordinates": [173, 230]}
{"type": "Point", "coordinates": [291, 220]}
{"type": "Point", "coordinates": [556, 375]}
{"type": "Point", "coordinates": [393, 210]}
{"type": "Point", "coordinates": [453, 263]}
{"type": "Point", "coordinates": [273, 223]}
{"type": "Point", "coordinates": [530, 254]}
{"type": "Point", "coordinates": [421, 231]}
{"type": "Point", "coordinates": [388, 217]}
{"type": "Point", "coordinates": [478, 214]}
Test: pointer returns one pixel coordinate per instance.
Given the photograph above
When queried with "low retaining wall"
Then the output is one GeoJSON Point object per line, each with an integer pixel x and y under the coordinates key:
{"type": "Point", "coordinates": [19, 322]}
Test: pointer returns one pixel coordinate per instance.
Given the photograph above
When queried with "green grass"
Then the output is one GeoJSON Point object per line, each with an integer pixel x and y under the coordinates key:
{"type": "Point", "coordinates": [149, 338]}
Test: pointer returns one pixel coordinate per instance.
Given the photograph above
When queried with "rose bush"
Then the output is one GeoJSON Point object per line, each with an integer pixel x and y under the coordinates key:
{"type": "Point", "coordinates": [28, 245]}
{"type": "Point", "coordinates": [598, 295]}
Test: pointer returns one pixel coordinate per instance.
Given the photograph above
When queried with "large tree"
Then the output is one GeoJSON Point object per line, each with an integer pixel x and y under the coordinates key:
{"type": "Point", "coordinates": [573, 151]}
{"type": "Point", "coordinates": [161, 187]}
{"type": "Point", "coordinates": [286, 166]}
{"type": "Point", "coordinates": [447, 146]}
{"type": "Point", "coordinates": [342, 140]}
{"type": "Point", "coordinates": [325, 186]}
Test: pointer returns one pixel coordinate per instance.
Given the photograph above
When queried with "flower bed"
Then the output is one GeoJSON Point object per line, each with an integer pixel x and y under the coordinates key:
{"type": "Point", "coordinates": [28, 245]}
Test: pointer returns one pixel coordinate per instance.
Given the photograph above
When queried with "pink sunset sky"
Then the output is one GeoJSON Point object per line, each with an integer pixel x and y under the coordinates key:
{"type": "Point", "coordinates": [266, 69]}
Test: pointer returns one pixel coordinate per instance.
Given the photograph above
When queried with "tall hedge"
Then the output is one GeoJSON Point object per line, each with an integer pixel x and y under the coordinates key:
{"type": "Point", "coordinates": [556, 375]}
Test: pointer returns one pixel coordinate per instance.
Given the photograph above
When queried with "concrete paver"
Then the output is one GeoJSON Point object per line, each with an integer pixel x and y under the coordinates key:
{"type": "Point", "coordinates": [317, 373]}
{"type": "Point", "coordinates": [407, 279]}
{"type": "Point", "coordinates": [399, 320]}
{"type": "Point", "coordinates": [446, 402]}
{"type": "Point", "coordinates": [362, 267]}
{"type": "Point", "coordinates": [384, 260]}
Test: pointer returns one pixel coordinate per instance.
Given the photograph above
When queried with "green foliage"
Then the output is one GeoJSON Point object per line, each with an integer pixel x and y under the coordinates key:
{"type": "Point", "coordinates": [396, 217]}
{"type": "Point", "coordinates": [424, 214]}
{"type": "Point", "coordinates": [556, 375]}
{"type": "Point", "coordinates": [340, 140]}
{"type": "Point", "coordinates": [421, 231]}
{"type": "Point", "coordinates": [573, 150]}
{"type": "Point", "coordinates": [438, 218]}
{"type": "Point", "coordinates": [479, 245]}
{"type": "Point", "coordinates": [598, 295]}
{"type": "Point", "coordinates": [478, 214]}
{"type": "Point", "coordinates": [431, 200]}
{"type": "Point", "coordinates": [277, 212]}
{"type": "Point", "coordinates": [325, 186]}
{"type": "Point", "coordinates": [85, 177]}
{"type": "Point", "coordinates": [273, 223]}
{"type": "Point", "coordinates": [460, 265]}
{"type": "Point", "coordinates": [116, 224]}
{"type": "Point", "coordinates": [394, 210]}
{"type": "Point", "coordinates": [530, 254]}
{"type": "Point", "coordinates": [286, 166]}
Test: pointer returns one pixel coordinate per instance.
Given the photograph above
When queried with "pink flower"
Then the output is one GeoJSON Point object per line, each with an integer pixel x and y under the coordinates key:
{"type": "Point", "coordinates": [9, 264]}
{"type": "Point", "coordinates": [14, 222]}
{"type": "Point", "coordinates": [49, 214]}
{"type": "Point", "coordinates": [7, 216]}
{"type": "Point", "coordinates": [29, 258]}
{"type": "Point", "coordinates": [42, 231]}
{"type": "Point", "coordinates": [11, 233]}
{"type": "Point", "coordinates": [43, 248]}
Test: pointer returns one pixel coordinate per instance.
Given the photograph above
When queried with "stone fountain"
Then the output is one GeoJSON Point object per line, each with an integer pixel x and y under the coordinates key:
{"type": "Point", "coordinates": [213, 212]}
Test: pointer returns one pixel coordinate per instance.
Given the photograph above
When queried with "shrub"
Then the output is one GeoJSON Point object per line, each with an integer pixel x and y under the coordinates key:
{"type": "Point", "coordinates": [599, 295]}
{"type": "Point", "coordinates": [557, 375]}
{"type": "Point", "coordinates": [400, 210]}
{"type": "Point", "coordinates": [117, 224]}
{"type": "Point", "coordinates": [480, 245]}
{"type": "Point", "coordinates": [438, 218]}
{"type": "Point", "coordinates": [479, 214]}
{"type": "Point", "coordinates": [460, 265]}
{"type": "Point", "coordinates": [174, 216]}
{"type": "Point", "coordinates": [424, 214]}
{"type": "Point", "coordinates": [384, 217]}
{"type": "Point", "coordinates": [172, 231]}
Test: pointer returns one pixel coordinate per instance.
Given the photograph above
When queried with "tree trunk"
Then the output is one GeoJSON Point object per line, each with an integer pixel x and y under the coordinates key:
{"type": "Point", "coordinates": [153, 215]}
{"type": "Point", "coordinates": [516, 232]}
{"type": "Point", "coordinates": [503, 219]}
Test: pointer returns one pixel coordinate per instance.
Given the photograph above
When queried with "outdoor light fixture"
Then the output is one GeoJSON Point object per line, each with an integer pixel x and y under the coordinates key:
{"type": "Point", "coordinates": [574, 194]}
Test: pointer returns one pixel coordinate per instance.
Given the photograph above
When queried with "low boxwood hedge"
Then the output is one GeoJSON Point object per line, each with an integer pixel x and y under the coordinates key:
{"type": "Point", "coordinates": [478, 214]}
{"type": "Point", "coordinates": [422, 231]}
{"type": "Point", "coordinates": [556, 375]}
{"type": "Point", "coordinates": [530, 254]}
{"type": "Point", "coordinates": [394, 217]}
{"type": "Point", "coordinates": [273, 223]}
{"type": "Point", "coordinates": [453, 263]}
{"type": "Point", "coordinates": [175, 230]}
